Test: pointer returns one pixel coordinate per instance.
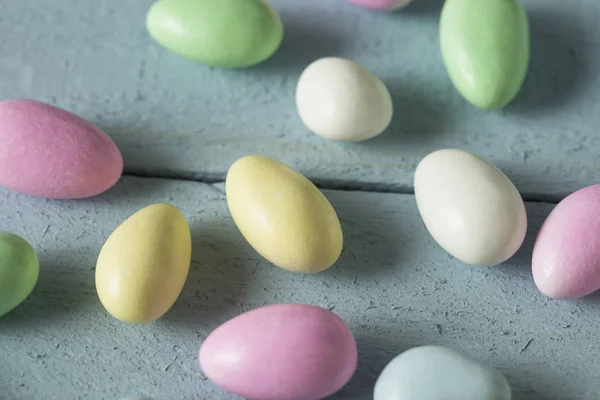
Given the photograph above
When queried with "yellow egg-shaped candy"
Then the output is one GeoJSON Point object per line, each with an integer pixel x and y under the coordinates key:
{"type": "Point", "coordinates": [283, 216]}
{"type": "Point", "coordinates": [143, 265]}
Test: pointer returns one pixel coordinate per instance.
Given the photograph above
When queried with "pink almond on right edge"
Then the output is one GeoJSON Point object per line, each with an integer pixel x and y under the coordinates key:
{"type": "Point", "coordinates": [566, 254]}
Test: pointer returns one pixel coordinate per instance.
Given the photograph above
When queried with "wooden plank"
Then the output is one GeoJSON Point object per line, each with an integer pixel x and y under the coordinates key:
{"type": "Point", "coordinates": [173, 117]}
{"type": "Point", "coordinates": [393, 285]}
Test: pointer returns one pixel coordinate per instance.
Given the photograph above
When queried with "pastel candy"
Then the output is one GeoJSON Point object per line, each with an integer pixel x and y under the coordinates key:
{"type": "Point", "coordinates": [221, 33]}
{"type": "Point", "coordinates": [382, 4]}
{"type": "Point", "coordinates": [470, 207]}
{"type": "Point", "coordinates": [341, 100]}
{"type": "Point", "coordinates": [283, 351]}
{"type": "Point", "coordinates": [566, 254]}
{"type": "Point", "coordinates": [283, 215]}
{"type": "Point", "coordinates": [19, 271]}
{"type": "Point", "coordinates": [485, 47]}
{"type": "Point", "coordinates": [48, 152]}
{"type": "Point", "coordinates": [439, 373]}
{"type": "Point", "coordinates": [143, 265]}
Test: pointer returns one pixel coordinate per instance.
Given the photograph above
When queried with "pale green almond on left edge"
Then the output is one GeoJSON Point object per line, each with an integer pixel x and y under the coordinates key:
{"type": "Point", "coordinates": [219, 33]}
{"type": "Point", "coordinates": [19, 271]}
{"type": "Point", "coordinates": [485, 47]}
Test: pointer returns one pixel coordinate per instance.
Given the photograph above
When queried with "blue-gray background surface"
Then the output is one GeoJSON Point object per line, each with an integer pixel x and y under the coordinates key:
{"type": "Point", "coordinates": [180, 125]}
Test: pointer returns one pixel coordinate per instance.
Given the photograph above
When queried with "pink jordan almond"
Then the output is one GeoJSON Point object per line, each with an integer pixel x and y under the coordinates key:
{"type": "Point", "coordinates": [281, 351]}
{"type": "Point", "coordinates": [566, 255]}
{"type": "Point", "coordinates": [48, 152]}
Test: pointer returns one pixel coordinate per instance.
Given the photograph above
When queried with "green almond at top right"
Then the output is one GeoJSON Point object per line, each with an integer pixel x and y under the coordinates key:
{"type": "Point", "coordinates": [485, 47]}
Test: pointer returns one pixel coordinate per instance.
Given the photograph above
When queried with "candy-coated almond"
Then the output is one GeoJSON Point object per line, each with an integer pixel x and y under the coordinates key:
{"type": "Point", "coordinates": [143, 265]}
{"type": "Point", "coordinates": [440, 373]}
{"type": "Point", "coordinates": [19, 271]}
{"type": "Point", "coordinates": [283, 215]}
{"type": "Point", "coordinates": [222, 33]}
{"type": "Point", "coordinates": [470, 207]}
{"type": "Point", "coordinates": [46, 151]}
{"type": "Point", "coordinates": [281, 351]}
{"type": "Point", "coordinates": [485, 46]}
{"type": "Point", "coordinates": [566, 255]}
{"type": "Point", "coordinates": [341, 100]}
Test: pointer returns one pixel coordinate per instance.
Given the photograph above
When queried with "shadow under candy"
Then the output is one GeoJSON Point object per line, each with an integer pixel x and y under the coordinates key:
{"type": "Point", "coordinates": [560, 66]}
{"type": "Point", "coordinates": [64, 289]}
{"type": "Point", "coordinates": [222, 274]}
{"type": "Point", "coordinates": [308, 36]}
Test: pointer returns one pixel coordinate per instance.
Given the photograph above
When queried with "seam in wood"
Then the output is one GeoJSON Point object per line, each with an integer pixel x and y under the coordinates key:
{"type": "Point", "coordinates": [324, 184]}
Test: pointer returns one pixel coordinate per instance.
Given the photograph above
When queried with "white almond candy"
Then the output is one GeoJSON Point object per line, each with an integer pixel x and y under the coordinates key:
{"type": "Point", "coordinates": [439, 373]}
{"type": "Point", "coordinates": [341, 100]}
{"type": "Point", "coordinates": [470, 207]}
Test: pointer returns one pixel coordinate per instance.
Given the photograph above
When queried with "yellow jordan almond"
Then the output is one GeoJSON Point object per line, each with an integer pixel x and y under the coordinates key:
{"type": "Point", "coordinates": [283, 216]}
{"type": "Point", "coordinates": [143, 265]}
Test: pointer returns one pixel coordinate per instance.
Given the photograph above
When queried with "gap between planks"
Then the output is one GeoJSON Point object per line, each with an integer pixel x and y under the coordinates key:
{"type": "Point", "coordinates": [325, 184]}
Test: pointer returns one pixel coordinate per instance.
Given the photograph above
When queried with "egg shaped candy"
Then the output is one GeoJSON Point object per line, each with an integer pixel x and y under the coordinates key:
{"type": "Point", "coordinates": [143, 265]}
{"type": "Point", "coordinates": [283, 216]}
{"type": "Point", "coordinates": [439, 373]}
{"type": "Point", "coordinates": [470, 207]}
{"type": "Point", "coordinates": [283, 351]}
{"type": "Point", "coordinates": [49, 152]}
{"type": "Point", "coordinates": [566, 254]}
{"type": "Point", "coordinates": [485, 47]}
{"type": "Point", "coordinates": [386, 5]}
{"type": "Point", "coordinates": [223, 33]}
{"type": "Point", "coordinates": [19, 271]}
{"type": "Point", "coordinates": [341, 100]}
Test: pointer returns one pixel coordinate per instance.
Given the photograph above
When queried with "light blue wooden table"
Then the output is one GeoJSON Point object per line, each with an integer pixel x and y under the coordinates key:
{"type": "Point", "coordinates": [180, 125]}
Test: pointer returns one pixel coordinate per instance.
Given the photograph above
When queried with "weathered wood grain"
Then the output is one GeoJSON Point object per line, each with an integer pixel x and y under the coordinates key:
{"type": "Point", "coordinates": [393, 285]}
{"type": "Point", "coordinates": [173, 117]}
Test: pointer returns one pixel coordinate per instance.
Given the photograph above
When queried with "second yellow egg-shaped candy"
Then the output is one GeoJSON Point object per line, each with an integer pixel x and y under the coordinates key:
{"type": "Point", "coordinates": [143, 265]}
{"type": "Point", "coordinates": [283, 216]}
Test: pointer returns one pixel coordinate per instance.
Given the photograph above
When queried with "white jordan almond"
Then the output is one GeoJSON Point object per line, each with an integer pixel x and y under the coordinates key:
{"type": "Point", "coordinates": [470, 207]}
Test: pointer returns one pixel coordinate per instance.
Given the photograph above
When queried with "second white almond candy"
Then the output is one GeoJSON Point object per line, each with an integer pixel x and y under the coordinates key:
{"type": "Point", "coordinates": [470, 207]}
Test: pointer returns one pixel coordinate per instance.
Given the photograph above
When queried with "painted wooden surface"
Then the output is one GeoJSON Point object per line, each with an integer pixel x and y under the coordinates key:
{"type": "Point", "coordinates": [173, 117]}
{"type": "Point", "coordinates": [393, 285]}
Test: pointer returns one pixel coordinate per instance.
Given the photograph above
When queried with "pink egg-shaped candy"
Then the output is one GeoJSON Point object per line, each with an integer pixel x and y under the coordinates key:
{"type": "Point", "coordinates": [48, 152]}
{"type": "Point", "coordinates": [566, 255]}
{"type": "Point", "coordinates": [281, 352]}
{"type": "Point", "coordinates": [388, 5]}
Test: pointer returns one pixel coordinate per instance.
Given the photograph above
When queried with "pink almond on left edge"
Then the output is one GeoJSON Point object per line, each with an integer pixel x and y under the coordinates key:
{"type": "Point", "coordinates": [566, 254]}
{"type": "Point", "coordinates": [48, 152]}
{"type": "Point", "coordinates": [283, 351]}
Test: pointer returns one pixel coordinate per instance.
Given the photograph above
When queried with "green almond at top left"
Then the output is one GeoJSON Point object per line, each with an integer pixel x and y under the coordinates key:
{"type": "Point", "coordinates": [219, 33]}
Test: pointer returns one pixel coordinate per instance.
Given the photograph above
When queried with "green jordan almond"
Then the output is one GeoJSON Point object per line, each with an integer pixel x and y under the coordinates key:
{"type": "Point", "coordinates": [219, 33]}
{"type": "Point", "coordinates": [19, 271]}
{"type": "Point", "coordinates": [485, 47]}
